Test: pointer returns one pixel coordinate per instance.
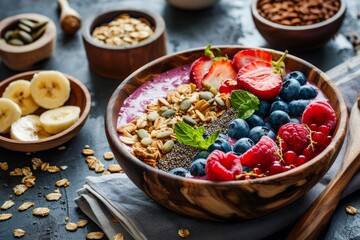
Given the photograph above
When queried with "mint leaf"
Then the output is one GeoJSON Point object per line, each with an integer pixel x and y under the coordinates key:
{"type": "Point", "coordinates": [244, 102]}
{"type": "Point", "coordinates": [187, 135]}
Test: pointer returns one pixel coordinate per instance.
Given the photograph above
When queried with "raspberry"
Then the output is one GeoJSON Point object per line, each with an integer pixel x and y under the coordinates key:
{"type": "Point", "coordinates": [261, 155]}
{"type": "Point", "coordinates": [319, 113]}
{"type": "Point", "coordinates": [222, 166]}
{"type": "Point", "coordinates": [296, 136]}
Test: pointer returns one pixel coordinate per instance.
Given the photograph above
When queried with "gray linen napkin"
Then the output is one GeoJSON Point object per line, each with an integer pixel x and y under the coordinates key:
{"type": "Point", "coordinates": [103, 198]}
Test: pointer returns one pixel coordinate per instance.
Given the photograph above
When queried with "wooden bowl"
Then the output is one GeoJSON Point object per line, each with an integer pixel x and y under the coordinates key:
{"type": "Point", "coordinates": [192, 5]}
{"type": "Point", "coordinates": [298, 38]}
{"type": "Point", "coordinates": [79, 96]}
{"type": "Point", "coordinates": [219, 201]}
{"type": "Point", "coordinates": [26, 57]}
{"type": "Point", "coordinates": [118, 62]}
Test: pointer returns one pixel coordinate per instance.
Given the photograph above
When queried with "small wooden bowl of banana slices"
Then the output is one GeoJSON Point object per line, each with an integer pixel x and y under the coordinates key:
{"type": "Point", "coordinates": [40, 110]}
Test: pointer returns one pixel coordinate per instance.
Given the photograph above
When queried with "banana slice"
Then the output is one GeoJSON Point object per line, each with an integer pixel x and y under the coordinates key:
{"type": "Point", "coordinates": [19, 92]}
{"type": "Point", "coordinates": [9, 113]}
{"type": "Point", "coordinates": [50, 89]}
{"type": "Point", "coordinates": [28, 128]}
{"type": "Point", "coordinates": [59, 119]}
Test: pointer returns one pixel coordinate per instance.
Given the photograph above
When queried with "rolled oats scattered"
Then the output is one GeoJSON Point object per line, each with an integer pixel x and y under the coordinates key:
{"type": "Point", "coordinates": [61, 148]}
{"type": "Point", "coordinates": [29, 181]}
{"type": "Point", "coordinates": [7, 204]}
{"type": "Point", "coordinates": [16, 172]}
{"type": "Point", "coordinates": [62, 183]}
{"type": "Point", "coordinates": [5, 216]}
{"type": "Point", "coordinates": [99, 167]}
{"type": "Point", "coordinates": [82, 223]}
{"type": "Point", "coordinates": [87, 146]}
{"type": "Point", "coordinates": [53, 169]}
{"type": "Point", "coordinates": [4, 166]}
{"type": "Point", "coordinates": [95, 235]}
{"type": "Point", "coordinates": [63, 167]}
{"type": "Point", "coordinates": [41, 211]}
{"type": "Point", "coordinates": [56, 191]}
{"type": "Point", "coordinates": [19, 233]}
{"type": "Point", "coordinates": [53, 196]}
{"type": "Point", "coordinates": [118, 236]}
{"type": "Point", "coordinates": [108, 155]}
{"type": "Point", "coordinates": [45, 166]}
{"type": "Point", "coordinates": [351, 210]}
{"type": "Point", "coordinates": [184, 232]}
{"type": "Point", "coordinates": [20, 189]}
{"type": "Point", "coordinates": [114, 219]}
{"type": "Point", "coordinates": [25, 206]}
{"type": "Point", "coordinates": [115, 168]}
{"type": "Point", "coordinates": [37, 162]}
{"type": "Point", "coordinates": [88, 152]}
{"type": "Point", "coordinates": [70, 226]}
{"type": "Point", "coordinates": [26, 171]}
{"type": "Point", "coordinates": [105, 173]}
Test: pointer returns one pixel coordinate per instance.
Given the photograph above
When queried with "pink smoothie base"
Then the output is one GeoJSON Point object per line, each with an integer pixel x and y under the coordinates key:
{"type": "Point", "coordinates": [149, 92]}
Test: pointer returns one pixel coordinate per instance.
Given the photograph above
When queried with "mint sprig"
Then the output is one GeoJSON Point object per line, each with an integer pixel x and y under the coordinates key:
{"type": "Point", "coordinates": [244, 102]}
{"type": "Point", "coordinates": [190, 136]}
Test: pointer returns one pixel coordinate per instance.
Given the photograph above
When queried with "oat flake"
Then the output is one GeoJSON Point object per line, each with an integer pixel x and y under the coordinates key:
{"type": "Point", "coordinates": [108, 155]}
{"type": "Point", "coordinates": [41, 211]}
{"type": "Point", "coordinates": [5, 216]}
{"type": "Point", "coordinates": [95, 235]}
{"type": "Point", "coordinates": [25, 206]}
{"type": "Point", "coordinates": [53, 196]}
{"type": "Point", "coordinates": [82, 223]}
{"type": "Point", "coordinates": [19, 233]}
{"type": "Point", "coordinates": [351, 210]}
{"type": "Point", "coordinates": [70, 226]}
{"type": "Point", "coordinates": [184, 232]}
{"type": "Point", "coordinates": [118, 236]}
{"type": "Point", "coordinates": [7, 204]}
{"type": "Point", "coordinates": [4, 166]}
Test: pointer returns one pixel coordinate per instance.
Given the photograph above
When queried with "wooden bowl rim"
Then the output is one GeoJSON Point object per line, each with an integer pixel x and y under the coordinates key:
{"type": "Point", "coordinates": [47, 36]}
{"type": "Point", "coordinates": [153, 16]}
{"type": "Point", "coordinates": [267, 22]}
{"type": "Point", "coordinates": [113, 135]}
{"type": "Point", "coordinates": [82, 119]}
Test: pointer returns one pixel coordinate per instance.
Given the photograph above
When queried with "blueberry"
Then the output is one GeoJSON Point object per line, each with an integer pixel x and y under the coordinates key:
{"type": "Point", "coordinates": [295, 120]}
{"type": "Point", "coordinates": [297, 107]}
{"type": "Point", "coordinates": [223, 136]}
{"type": "Point", "coordinates": [277, 98]}
{"type": "Point", "coordinates": [238, 128]}
{"type": "Point", "coordinates": [197, 168]}
{"type": "Point", "coordinates": [290, 90]}
{"type": "Point", "coordinates": [263, 110]}
{"type": "Point", "coordinates": [279, 105]}
{"type": "Point", "coordinates": [278, 118]}
{"type": "Point", "coordinates": [257, 132]}
{"type": "Point", "coordinates": [242, 145]}
{"type": "Point", "coordinates": [268, 125]}
{"type": "Point", "coordinates": [202, 154]}
{"type": "Point", "coordinates": [220, 144]}
{"type": "Point", "coordinates": [254, 120]}
{"type": "Point", "coordinates": [179, 171]}
{"type": "Point", "coordinates": [307, 92]}
{"type": "Point", "coordinates": [297, 75]}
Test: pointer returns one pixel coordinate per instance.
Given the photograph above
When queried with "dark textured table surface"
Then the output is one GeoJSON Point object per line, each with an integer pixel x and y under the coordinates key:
{"type": "Point", "coordinates": [228, 22]}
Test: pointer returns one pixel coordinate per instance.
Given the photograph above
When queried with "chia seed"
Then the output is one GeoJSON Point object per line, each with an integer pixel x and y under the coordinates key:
{"type": "Point", "coordinates": [183, 155]}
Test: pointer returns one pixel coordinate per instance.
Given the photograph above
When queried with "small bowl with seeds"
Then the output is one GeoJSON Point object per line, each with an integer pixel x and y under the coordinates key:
{"type": "Point", "coordinates": [299, 25]}
{"type": "Point", "coordinates": [117, 42]}
{"type": "Point", "coordinates": [26, 40]}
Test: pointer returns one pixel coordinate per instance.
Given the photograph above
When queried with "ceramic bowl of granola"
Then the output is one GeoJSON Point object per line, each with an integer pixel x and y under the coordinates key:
{"type": "Point", "coordinates": [301, 25]}
{"type": "Point", "coordinates": [162, 119]}
{"type": "Point", "coordinates": [117, 42]}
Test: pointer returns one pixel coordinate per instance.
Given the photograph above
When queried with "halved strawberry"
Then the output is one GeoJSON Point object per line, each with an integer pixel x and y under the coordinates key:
{"type": "Point", "coordinates": [264, 79]}
{"type": "Point", "coordinates": [220, 71]}
{"type": "Point", "coordinates": [199, 69]}
{"type": "Point", "coordinates": [246, 56]}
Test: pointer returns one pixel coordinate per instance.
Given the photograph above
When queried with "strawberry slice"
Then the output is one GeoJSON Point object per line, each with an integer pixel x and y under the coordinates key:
{"type": "Point", "coordinates": [199, 69]}
{"type": "Point", "coordinates": [220, 71]}
{"type": "Point", "coordinates": [264, 79]}
{"type": "Point", "coordinates": [246, 56]}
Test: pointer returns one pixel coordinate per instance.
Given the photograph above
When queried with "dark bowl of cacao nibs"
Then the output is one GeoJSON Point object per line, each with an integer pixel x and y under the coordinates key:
{"type": "Point", "coordinates": [226, 133]}
{"type": "Point", "coordinates": [299, 25]}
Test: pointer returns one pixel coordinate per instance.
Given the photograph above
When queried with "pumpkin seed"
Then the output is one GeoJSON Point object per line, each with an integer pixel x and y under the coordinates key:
{"type": "Point", "coordinates": [206, 95]}
{"type": "Point", "coordinates": [15, 42]}
{"type": "Point", "coordinates": [164, 134]}
{"type": "Point", "coordinates": [163, 109]}
{"type": "Point", "coordinates": [189, 120]}
{"type": "Point", "coordinates": [11, 34]}
{"type": "Point", "coordinates": [40, 25]}
{"type": "Point", "coordinates": [168, 113]}
{"type": "Point", "coordinates": [185, 104]}
{"type": "Point", "coordinates": [142, 133]}
{"type": "Point", "coordinates": [168, 145]}
{"type": "Point", "coordinates": [24, 28]}
{"type": "Point", "coordinates": [27, 22]}
{"type": "Point", "coordinates": [146, 141]}
{"type": "Point", "coordinates": [219, 101]}
{"type": "Point", "coordinates": [38, 33]}
{"type": "Point", "coordinates": [152, 116]}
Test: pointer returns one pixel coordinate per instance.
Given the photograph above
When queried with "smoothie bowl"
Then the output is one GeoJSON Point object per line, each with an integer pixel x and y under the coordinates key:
{"type": "Point", "coordinates": [226, 133]}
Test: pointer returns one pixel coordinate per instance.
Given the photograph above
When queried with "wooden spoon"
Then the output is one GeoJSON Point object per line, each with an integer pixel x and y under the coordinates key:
{"type": "Point", "coordinates": [316, 218]}
{"type": "Point", "coordinates": [70, 20]}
